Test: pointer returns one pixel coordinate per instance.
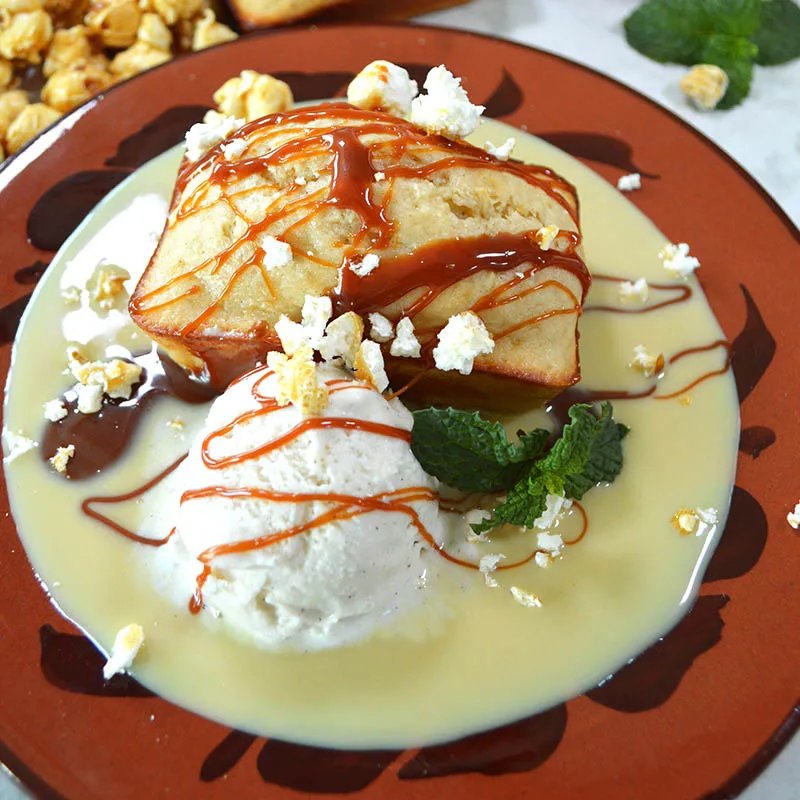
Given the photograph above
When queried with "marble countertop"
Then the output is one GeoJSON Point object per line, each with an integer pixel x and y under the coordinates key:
{"type": "Point", "coordinates": [762, 134]}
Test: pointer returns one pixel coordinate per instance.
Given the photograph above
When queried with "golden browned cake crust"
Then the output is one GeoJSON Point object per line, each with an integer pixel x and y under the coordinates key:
{"type": "Point", "coordinates": [265, 13]}
{"type": "Point", "coordinates": [455, 229]}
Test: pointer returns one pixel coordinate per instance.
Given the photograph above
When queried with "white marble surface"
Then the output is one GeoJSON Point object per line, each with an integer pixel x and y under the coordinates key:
{"type": "Point", "coordinates": [762, 134]}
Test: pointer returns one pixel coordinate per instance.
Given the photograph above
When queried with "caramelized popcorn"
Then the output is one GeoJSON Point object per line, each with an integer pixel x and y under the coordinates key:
{"type": "Point", "coordinates": [31, 121]}
{"type": "Point", "coordinates": [107, 287]}
{"type": "Point", "coordinates": [116, 377]}
{"type": "Point", "coordinates": [11, 105]}
{"type": "Point", "coordinates": [61, 458]}
{"type": "Point", "coordinates": [705, 85]}
{"type": "Point", "coordinates": [8, 7]}
{"type": "Point", "coordinates": [137, 58]}
{"type": "Point", "coordinates": [369, 366]}
{"type": "Point", "coordinates": [646, 363]}
{"type": "Point", "coordinates": [69, 47]}
{"type": "Point", "coordinates": [253, 95]}
{"type": "Point", "coordinates": [26, 36]}
{"type": "Point", "coordinates": [297, 381]}
{"type": "Point", "coordinates": [208, 32]}
{"type": "Point", "coordinates": [382, 86]}
{"type": "Point", "coordinates": [342, 339]}
{"type": "Point", "coordinates": [114, 21]}
{"type": "Point", "coordinates": [171, 11]}
{"type": "Point", "coordinates": [154, 32]}
{"type": "Point", "coordinates": [546, 236]}
{"type": "Point", "coordinates": [6, 73]}
{"type": "Point", "coordinates": [68, 88]}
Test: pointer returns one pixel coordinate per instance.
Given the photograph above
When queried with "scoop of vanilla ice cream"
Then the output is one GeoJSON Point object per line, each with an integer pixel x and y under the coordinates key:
{"type": "Point", "coordinates": [336, 582]}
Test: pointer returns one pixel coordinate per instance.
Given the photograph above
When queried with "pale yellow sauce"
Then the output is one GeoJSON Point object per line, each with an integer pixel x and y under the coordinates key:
{"type": "Point", "coordinates": [481, 659]}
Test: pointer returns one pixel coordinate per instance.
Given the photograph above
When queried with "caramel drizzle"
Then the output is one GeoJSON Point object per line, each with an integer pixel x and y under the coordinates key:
{"type": "Point", "coordinates": [434, 268]}
{"type": "Point", "coordinates": [682, 293]}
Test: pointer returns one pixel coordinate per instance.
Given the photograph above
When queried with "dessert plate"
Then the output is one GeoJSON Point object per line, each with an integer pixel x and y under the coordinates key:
{"type": "Point", "coordinates": [699, 714]}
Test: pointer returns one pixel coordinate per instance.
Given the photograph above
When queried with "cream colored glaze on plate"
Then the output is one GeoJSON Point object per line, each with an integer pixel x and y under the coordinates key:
{"type": "Point", "coordinates": [475, 658]}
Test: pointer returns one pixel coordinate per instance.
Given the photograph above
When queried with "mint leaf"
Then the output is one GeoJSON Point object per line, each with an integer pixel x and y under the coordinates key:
{"type": "Point", "coordinates": [778, 39]}
{"type": "Point", "coordinates": [669, 30]}
{"type": "Point", "coordinates": [589, 452]}
{"type": "Point", "coordinates": [470, 453]}
{"type": "Point", "coordinates": [736, 56]}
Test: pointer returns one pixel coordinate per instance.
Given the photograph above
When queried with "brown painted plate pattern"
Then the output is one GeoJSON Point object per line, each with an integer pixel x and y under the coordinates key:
{"type": "Point", "coordinates": [698, 715]}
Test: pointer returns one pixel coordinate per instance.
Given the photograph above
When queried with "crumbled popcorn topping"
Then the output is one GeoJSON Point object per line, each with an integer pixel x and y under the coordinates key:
{"type": "Point", "coordinates": [405, 344]}
{"type": "Point", "coordinates": [55, 410]}
{"type": "Point", "coordinates": [488, 565]}
{"type": "Point", "coordinates": [214, 128]}
{"type": "Point", "coordinates": [697, 521]}
{"type": "Point", "coordinates": [629, 183]}
{"type": "Point", "coordinates": [645, 362]}
{"type": "Point", "coordinates": [315, 315]}
{"type": "Point", "coordinates": [366, 265]}
{"type": "Point", "coordinates": [383, 86]}
{"type": "Point", "coordinates": [176, 424]}
{"type": "Point", "coordinates": [381, 328]}
{"type": "Point", "coordinates": [126, 646]}
{"type": "Point", "coordinates": [543, 560]}
{"type": "Point", "coordinates": [61, 458]}
{"type": "Point", "coordinates": [233, 149]}
{"type": "Point", "coordinates": [300, 180]}
{"type": "Point", "coordinates": [17, 445]}
{"type": "Point", "coordinates": [277, 253]}
{"type": "Point", "coordinates": [705, 85]}
{"type": "Point", "coordinates": [793, 517]}
{"type": "Point", "coordinates": [551, 543]}
{"type": "Point", "coordinates": [460, 341]}
{"type": "Point", "coordinates": [379, 176]}
{"type": "Point", "coordinates": [638, 290]}
{"type": "Point", "coordinates": [90, 398]}
{"type": "Point", "coordinates": [369, 365]}
{"type": "Point", "coordinates": [115, 377]}
{"type": "Point", "coordinates": [502, 152]}
{"type": "Point", "coordinates": [107, 287]}
{"type": "Point", "coordinates": [297, 381]}
{"type": "Point", "coordinates": [253, 95]}
{"type": "Point", "coordinates": [71, 295]}
{"type": "Point", "coordinates": [445, 109]}
{"type": "Point", "coordinates": [545, 236]}
{"type": "Point", "coordinates": [677, 260]}
{"type": "Point", "coordinates": [556, 506]}
{"type": "Point", "coordinates": [524, 598]}
{"type": "Point", "coordinates": [342, 339]}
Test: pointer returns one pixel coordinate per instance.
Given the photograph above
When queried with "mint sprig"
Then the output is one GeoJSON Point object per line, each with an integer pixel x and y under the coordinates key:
{"type": "Point", "coordinates": [472, 454]}
{"type": "Point", "coordinates": [733, 34]}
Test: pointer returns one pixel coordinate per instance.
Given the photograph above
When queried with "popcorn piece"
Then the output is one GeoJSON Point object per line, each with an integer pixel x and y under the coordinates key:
{"type": "Point", "coordinates": [369, 365]}
{"type": "Point", "coordinates": [233, 149]}
{"type": "Point", "coordinates": [677, 260]}
{"type": "Point", "coordinates": [315, 315]}
{"type": "Point", "coordinates": [383, 86]}
{"type": "Point", "coordinates": [300, 181]}
{"type": "Point", "coordinates": [527, 599]}
{"type": "Point", "coordinates": [127, 643]}
{"type": "Point", "coordinates": [297, 381]}
{"type": "Point", "coordinates": [107, 287]}
{"type": "Point", "coordinates": [705, 85]}
{"type": "Point", "coordinates": [545, 236]}
{"type": "Point", "coordinates": [629, 183]}
{"type": "Point", "coordinates": [460, 341]}
{"type": "Point", "coordinates": [276, 252]}
{"type": "Point", "coordinates": [214, 128]}
{"type": "Point", "coordinates": [6, 73]}
{"type": "Point", "coordinates": [62, 457]}
{"type": "Point", "coordinates": [70, 87]}
{"type": "Point", "coordinates": [550, 543]}
{"type": "Point", "coordinates": [366, 265]}
{"type": "Point", "coordinates": [71, 295]}
{"type": "Point", "coordinates": [55, 410]}
{"type": "Point", "coordinates": [685, 520]}
{"type": "Point", "coordinates": [115, 22]}
{"type": "Point", "coordinates": [26, 35]}
{"type": "Point", "coordinates": [69, 47]}
{"type": "Point", "coordinates": [445, 109]}
{"type": "Point", "coordinates": [488, 565]}
{"type": "Point", "coordinates": [11, 105]}
{"type": "Point", "coordinates": [253, 95]}
{"type": "Point", "coordinates": [406, 344]}
{"type": "Point", "coordinates": [556, 506]}
{"type": "Point", "coordinates": [342, 339]}
{"type": "Point", "coordinates": [543, 560]}
{"type": "Point", "coordinates": [501, 152]}
{"type": "Point", "coordinates": [116, 377]}
{"type": "Point", "coordinates": [176, 424]}
{"type": "Point", "coordinates": [793, 517]}
{"type": "Point", "coordinates": [17, 445]}
{"type": "Point", "coordinates": [139, 57]}
{"type": "Point", "coordinates": [379, 176]}
{"type": "Point", "coordinates": [90, 398]}
{"type": "Point", "coordinates": [292, 334]}
{"type": "Point", "coordinates": [645, 362]}
{"type": "Point", "coordinates": [152, 31]}
{"type": "Point", "coordinates": [173, 11]}
{"type": "Point", "coordinates": [208, 32]}
{"type": "Point", "coordinates": [634, 291]}
{"type": "Point", "coordinates": [30, 122]}
{"type": "Point", "coordinates": [381, 328]}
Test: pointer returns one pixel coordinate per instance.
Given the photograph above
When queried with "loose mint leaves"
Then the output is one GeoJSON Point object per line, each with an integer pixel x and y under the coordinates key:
{"type": "Point", "coordinates": [778, 38]}
{"type": "Point", "coordinates": [472, 454]}
{"type": "Point", "coordinates": [733, 34]}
